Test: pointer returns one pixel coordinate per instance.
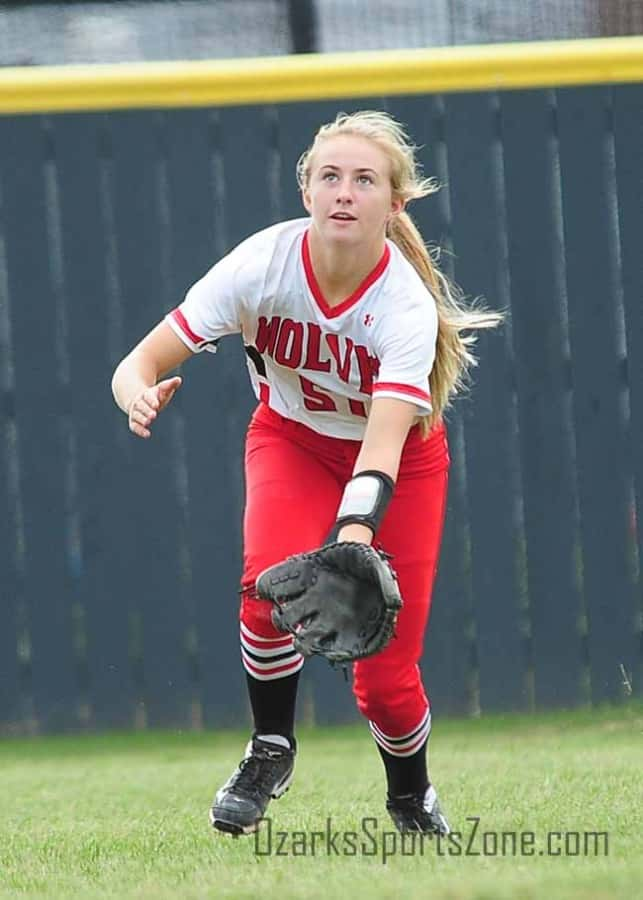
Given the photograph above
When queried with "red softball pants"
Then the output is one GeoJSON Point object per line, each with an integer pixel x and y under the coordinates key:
{"type": "Point", "coordinates": [295, 478]}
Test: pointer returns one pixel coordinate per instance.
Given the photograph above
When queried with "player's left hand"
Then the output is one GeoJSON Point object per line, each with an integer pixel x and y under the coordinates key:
{"type": "Point", "coordinates": [340, 601]}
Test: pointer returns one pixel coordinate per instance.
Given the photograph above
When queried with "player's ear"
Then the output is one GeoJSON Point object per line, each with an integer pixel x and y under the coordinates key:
{"type": "Point", "coordinates": [305, 198]}
{"type": "Point", "coordinates": [397, 205]}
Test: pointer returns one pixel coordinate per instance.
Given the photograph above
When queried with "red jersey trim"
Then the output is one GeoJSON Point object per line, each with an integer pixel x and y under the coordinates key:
{"type": "Point", "coordinates": [402, 389]}
{"type": "Point", "coordinates": [332, 311]}
{"type": "Point", "coordinates": [182, 322]}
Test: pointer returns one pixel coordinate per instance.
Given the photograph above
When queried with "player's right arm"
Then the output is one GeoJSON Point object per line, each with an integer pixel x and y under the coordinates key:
{"type": "Point", "coordinates": [138, 385]}
{"type": "Point", "coordinates": [211, 310]}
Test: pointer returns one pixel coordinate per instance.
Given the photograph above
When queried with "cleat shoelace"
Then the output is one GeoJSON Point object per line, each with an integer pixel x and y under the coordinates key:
{"type": "Point", "coordinates": [254, 779]}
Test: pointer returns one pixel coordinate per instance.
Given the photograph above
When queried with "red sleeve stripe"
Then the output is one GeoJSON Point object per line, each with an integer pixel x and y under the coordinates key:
{"type": "Point", "coordinates": [182, 322]}
{"type": "Point", "coordinates": [402, 389]}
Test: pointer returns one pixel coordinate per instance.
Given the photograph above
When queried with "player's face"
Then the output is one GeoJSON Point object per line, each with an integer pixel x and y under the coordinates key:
{"type": "Point", "coordinates": [349, 193]}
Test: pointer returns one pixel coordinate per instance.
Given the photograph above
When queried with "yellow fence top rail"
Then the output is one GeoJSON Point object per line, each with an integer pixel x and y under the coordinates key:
{"type": "Point", "coordinates": [321, 76]}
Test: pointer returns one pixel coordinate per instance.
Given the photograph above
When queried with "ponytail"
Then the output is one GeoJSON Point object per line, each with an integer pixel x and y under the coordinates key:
{"type": "Point", "coordinates": [453, 353]}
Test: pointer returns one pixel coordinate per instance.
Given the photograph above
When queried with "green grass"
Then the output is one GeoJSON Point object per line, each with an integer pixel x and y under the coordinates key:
{"type": "Point", "coordinates": [126, 815]}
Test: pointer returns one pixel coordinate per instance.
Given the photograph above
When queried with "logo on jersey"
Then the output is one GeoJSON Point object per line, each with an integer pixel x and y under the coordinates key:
{"type": "Point", "coordinates": [303, 345]}
{"type": "Point", "coordinates": [368, 319]}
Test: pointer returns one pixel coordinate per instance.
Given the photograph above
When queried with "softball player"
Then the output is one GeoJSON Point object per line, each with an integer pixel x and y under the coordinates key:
{"type": "Point", "coordinates": [354, 348]}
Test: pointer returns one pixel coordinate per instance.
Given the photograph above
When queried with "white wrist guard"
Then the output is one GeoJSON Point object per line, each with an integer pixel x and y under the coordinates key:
{"type": "Point", "coordinates": [365, 499]}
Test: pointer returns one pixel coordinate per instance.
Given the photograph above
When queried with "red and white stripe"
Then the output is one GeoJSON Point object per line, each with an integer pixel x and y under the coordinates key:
{"type": "Point", "coordinates": [406, 744]}
{"type": "Point", "coordinates": [268, 658]}
{"type": "Point", "coordinates": [393, 389]}
{"type": "Point", "coordinates": [177, 321]}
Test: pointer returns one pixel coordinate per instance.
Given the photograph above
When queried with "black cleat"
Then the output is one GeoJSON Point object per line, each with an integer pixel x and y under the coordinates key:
{"type": "Point", "coordinates": [263, 774]}
{"type": "Point", "coordinates": [418, 812]}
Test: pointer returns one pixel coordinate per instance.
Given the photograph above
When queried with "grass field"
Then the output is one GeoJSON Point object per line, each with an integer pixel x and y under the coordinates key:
{"type": "Point", "coordinates": [126, 815]}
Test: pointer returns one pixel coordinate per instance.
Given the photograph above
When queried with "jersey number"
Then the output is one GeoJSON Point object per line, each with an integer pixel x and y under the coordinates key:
{"type": "Point", "coordinates": [316, 400]}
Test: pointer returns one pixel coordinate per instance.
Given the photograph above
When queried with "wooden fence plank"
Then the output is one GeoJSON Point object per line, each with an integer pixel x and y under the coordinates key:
{"type": "Point", "coordinates": [628, 148]}
{"type": "Point", "coordinates": [544, 402]}
{"type": "Point", "coordinates": [41, 406]}
{"type": "Point", "coordinates": [598, 381]}
{"type": "Point", "coordinates": [158, 624]}
{"type": "Point", "coordinates": [489, 434]}
{"type": "Point", "coordinates": [101, 573]}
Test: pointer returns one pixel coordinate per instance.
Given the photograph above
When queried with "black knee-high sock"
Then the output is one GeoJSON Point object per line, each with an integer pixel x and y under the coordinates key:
{"type": "Point", "coordinates": [405, 774]}
{"type": "Point", "coordinates": [273, 704]}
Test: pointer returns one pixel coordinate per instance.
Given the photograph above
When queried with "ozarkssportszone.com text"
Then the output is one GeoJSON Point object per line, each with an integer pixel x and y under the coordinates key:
{"type": "Point", "coordinates": [475, 840]}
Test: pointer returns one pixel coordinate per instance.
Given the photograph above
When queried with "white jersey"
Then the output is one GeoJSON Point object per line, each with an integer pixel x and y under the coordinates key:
{"type": "Point", "coordinates": [316, 364]}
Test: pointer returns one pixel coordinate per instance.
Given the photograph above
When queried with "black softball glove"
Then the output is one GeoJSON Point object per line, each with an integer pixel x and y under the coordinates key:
{"type": "Point", "coordinates": [340, 601]}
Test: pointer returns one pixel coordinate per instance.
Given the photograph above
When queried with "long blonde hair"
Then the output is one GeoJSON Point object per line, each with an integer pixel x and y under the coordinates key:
{"type": "Point", "coordinates": [453, 356]}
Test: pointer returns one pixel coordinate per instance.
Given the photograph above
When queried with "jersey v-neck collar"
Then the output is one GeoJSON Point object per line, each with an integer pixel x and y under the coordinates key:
{"type": "Point", "coordinates": [331, 312]}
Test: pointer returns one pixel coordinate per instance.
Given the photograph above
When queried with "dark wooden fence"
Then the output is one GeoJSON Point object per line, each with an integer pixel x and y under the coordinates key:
{"type": "Point", "coordinates": [119, 559]}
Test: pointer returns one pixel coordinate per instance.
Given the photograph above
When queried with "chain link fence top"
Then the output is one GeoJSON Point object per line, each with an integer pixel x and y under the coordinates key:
{"type": "Point", "coordinates": [50, 33]}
